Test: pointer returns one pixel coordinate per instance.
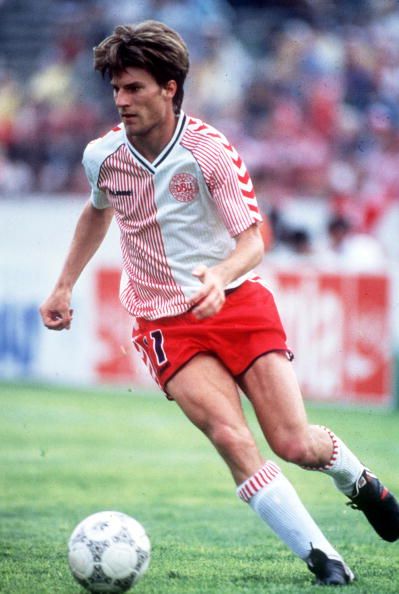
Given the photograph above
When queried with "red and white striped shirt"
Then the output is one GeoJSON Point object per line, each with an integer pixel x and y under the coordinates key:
{"type": "Point", "coordinates": [181, 210]}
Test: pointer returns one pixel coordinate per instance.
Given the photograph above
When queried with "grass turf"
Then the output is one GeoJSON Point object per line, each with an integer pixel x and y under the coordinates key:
{"type": "Point", "coordinates": [68, 453]}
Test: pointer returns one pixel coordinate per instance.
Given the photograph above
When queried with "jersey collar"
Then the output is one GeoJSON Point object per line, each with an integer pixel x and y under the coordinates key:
{"type": "Point", "coordinates": [181, 123]}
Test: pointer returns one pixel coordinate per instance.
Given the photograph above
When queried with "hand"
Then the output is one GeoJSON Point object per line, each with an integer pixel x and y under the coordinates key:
{"type": "Point", "coordinates": [210, 298]}
{"type": "Point", "coordinates": [55, 311]}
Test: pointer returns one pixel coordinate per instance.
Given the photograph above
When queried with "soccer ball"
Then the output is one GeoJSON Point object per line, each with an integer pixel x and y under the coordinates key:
{"type": "Point", "coordinates": [108, 552]}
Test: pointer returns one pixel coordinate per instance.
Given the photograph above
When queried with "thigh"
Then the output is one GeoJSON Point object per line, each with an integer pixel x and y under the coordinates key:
{"type": "Point", "coordinates": [208, 395]}
{"type": "Point", "coordinates": [206, 392]}
{"type": "Point", "coordinates": [271, 386]}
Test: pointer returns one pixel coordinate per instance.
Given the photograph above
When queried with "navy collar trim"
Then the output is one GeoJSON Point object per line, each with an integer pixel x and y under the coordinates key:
{"type": "Point", "coordinates": [165, 152]}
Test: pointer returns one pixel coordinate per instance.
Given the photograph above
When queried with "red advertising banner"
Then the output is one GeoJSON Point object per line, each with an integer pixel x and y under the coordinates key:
{"type": "Point", "coordinates": [113, 330]}
{"type": "Point", "coordinates": [338, 326]}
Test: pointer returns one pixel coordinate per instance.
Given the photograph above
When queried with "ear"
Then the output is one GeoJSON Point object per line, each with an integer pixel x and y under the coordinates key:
{"type": "Point", "coordinates": [169, 90]}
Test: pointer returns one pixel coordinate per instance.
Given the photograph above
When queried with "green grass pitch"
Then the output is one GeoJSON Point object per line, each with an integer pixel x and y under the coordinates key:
{"type": "Point", "coordinates": [67, 453]}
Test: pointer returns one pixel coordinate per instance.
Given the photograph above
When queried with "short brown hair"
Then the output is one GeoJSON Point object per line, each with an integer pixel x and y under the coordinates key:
{"type": "Point", "coordinates": [152, 46]}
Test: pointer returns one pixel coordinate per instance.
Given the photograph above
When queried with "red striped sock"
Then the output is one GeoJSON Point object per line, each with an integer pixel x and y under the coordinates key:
{"type": "Point", "coordinates": [264, 476]}
{"type": "Point", "coordinates": [335, 450]}
{"type": "Point", "coordinates": [343, 467]}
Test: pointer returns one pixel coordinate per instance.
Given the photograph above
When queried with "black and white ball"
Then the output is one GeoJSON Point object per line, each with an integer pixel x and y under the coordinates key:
{"type": "Point", "coordinates": [108, 552]}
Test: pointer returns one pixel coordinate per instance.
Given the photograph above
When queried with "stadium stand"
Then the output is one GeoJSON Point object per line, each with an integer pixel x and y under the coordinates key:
{"type": "Point", "coordinates": [310, 96]}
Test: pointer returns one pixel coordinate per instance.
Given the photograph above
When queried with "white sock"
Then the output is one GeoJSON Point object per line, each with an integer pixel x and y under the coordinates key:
{"type": "Point", "coordinates": [276, 502]}
{"type": "Point", "coordinates": [344, 467]}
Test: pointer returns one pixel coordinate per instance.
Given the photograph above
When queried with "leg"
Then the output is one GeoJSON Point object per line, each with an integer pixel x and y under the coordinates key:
{"type": "Point", "coordinates": [271, 386]}
{"type": "Point", "coordinates": [208, 395]}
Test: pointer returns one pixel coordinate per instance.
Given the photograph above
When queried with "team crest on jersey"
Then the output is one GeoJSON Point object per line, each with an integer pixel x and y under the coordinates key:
{"type": "Point", "coordinates": [184, 187]}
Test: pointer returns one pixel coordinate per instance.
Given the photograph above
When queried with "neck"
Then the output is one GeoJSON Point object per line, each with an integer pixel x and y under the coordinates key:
{"type": "Point", "coordinates": [153, 141]}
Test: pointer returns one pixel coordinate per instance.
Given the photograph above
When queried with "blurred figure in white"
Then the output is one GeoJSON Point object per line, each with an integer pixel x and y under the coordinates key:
{"type": "Point", "coordinates": [351, 250]}
{"type": "Point", "coordinates": [15, 176]}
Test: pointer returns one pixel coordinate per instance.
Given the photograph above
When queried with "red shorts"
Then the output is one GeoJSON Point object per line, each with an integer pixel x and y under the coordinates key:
{"type": "Point", "coordinates": [247, 327]}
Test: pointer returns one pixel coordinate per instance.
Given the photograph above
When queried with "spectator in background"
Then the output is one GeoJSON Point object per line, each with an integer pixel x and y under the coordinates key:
{"type": "Point", "coordinates": [223, 63]}
{"type": "Point", "coordinates": [15, 176]}
{"type": "Point", "coordinates": [317, 92]}
{"type": "Point", "coordinates": [300, 242]}
{"type": "Point", "coordinates": [11, 99]}
{"type": "Point", "coordinates": [350, 250]}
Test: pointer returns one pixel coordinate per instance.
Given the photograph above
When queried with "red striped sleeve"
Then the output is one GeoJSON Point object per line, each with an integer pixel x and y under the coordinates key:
{"type": "Point", "coordinates": [225, 173]}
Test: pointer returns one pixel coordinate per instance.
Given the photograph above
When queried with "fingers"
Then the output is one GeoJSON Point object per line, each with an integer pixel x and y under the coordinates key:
{"type": "Point", "coordinates": [209, 306]}
{"type": "Point", "coordinates": [200, 272]}
{"type": "Point", "coordinates": [57, 320]}
{"type": "Point", "coordinates": [55, 311]}
{"type": "Point", "coordinates": [199, 296]}
{"type": "Point", "coordinates": [208, 300]}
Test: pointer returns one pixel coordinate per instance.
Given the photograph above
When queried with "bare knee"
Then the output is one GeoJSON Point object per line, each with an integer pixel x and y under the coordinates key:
{"type": "Point", "coordinates": [230, 440]}
{"type": "Point", "coordinates": [294, 450]}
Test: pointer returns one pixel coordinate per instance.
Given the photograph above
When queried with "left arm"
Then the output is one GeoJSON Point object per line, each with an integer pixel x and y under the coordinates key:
{"type": "Point", "coordinates": [246, 255]}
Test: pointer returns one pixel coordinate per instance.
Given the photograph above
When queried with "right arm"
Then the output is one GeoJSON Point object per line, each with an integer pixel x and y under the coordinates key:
{"type": "Point", "coordinates": [90, 231]}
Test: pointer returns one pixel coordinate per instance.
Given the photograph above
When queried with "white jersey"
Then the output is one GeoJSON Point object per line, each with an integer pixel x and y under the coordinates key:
{"type": "Point", "coordinates": [181, 210]}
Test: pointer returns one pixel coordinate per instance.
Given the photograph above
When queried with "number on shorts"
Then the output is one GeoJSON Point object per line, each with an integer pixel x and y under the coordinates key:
{"type": "Point", "coordinates": [157, 345]}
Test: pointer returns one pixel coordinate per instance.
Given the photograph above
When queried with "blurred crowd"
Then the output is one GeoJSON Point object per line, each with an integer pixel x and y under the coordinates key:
{"type": "Point", "coordinates": [310, 98]}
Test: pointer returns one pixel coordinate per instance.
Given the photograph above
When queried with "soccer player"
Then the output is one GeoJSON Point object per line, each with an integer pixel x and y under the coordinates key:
{"type": "Point", "coordinates": [204, 322]}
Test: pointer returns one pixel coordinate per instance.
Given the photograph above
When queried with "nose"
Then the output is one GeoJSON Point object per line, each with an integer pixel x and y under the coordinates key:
{"type": "Point", "coordinates": [121, 98]}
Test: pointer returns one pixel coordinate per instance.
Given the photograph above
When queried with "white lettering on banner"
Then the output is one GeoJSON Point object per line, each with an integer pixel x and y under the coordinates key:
{"type": "Point", "coordinates": [370, 330]}
{"type": "Point", "coordinates": [339, 327]}
{"type": "Point", "coordinates": [314, 319]}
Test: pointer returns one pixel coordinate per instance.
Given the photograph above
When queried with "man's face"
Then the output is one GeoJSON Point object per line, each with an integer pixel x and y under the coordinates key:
{"type": "Point", "coordinates": [142, 103]}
